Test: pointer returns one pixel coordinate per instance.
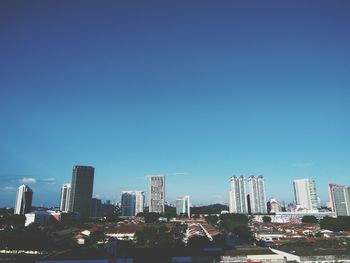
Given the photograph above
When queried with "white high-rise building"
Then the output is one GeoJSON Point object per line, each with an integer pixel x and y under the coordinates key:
{"type": "Point", "coordinates": [340, 199]}
{"type": "Point", "coordinates": [23, 200]}
{"type": "Point", "coordinates": [257, 195]}
{"type": "Point", "coordinates": [183, 205]}
{"type": "Point", "coordinates": [65, 197]}
{"type": "Point", "coordinates": [305, 194]}
{"type": "Point", "coordinates": [132, 203]}
{"type": "Point", "coordinates": [156, 193]}
{"type": "Point", "coordinates": [237, 195]}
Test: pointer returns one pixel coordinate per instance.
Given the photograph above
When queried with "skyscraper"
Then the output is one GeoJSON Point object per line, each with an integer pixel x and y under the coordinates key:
{"type": "Point", "coordinates": [257, 194]}
{"type": "Point", "coordinates": [340, 199]}
{"type": "Point", "coordinates": [96, 207]}
{"type": "Point", "coordinates": [237, 195]}
{"type": "Point", "coordinates": [82, 187]}
{"type": "Point", "coordinates": [305, 194]}
{"type": "Point", "coordinates": [65, 196]}
{"type": "Point", "coordinates": [183, 206]}
{"type": "Point", "coordinates": [132, 203]}
{"type": "Point", "coordinates": [23, 200]}
{"type": "Point", "coordinates": [156, 193]}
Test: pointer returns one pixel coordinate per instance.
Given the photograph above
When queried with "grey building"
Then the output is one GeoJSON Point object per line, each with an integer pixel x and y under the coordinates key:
{"type": "Point", "coordinates": [132, 203]}
{"type": "Point", "coordinates": [340, 199]}
{"type": "Point", "coordinates": [183, 206]}
{"type": "Point", "coordinates": [23, 200]}
{"type": "Point", "coordinates": [156, 193]}
{"type": "Point", "coordinates": [82, 187]}
{"type": "Point", "coordinates": [96, 207]}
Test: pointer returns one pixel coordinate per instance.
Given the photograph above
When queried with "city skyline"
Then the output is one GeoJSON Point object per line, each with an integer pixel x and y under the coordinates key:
{"type": "Point", "coordinates": [196, 92]}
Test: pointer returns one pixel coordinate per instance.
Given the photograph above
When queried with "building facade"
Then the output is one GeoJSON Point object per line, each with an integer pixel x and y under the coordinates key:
{"type": "Point", "coordinates": [340, 199]}
{"type": "Point", "coordinates": [305, 194]}
{"type": "Point", "coordinates": [82, 187]}
{"type": "Point", "coordinates": [65, 197]}
{"type": "Point", "coordinates": [23, 200]}
{"type": "Point", "coordinates": [257, 195]}
{"type": "Point", "coordinates": [132, 202]}
{"type": "Point", "coordinates": [96, 207]}
{"type": "Point", "coordinates": [183, 206]}
{"type": "Point", "coordinates": [237, 195]}
{"type": "Point", "coordinates": [156, 193]}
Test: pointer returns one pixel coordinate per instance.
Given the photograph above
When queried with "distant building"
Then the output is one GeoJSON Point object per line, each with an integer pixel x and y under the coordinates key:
{"type": "Point", "coordinates": [305, 194]}
{"type": "Point", "coordinates": [82, 187]}
{"type": "Point", "coordinates": [340, 199]}
{"type": "Point", "coordinates": [96, 207]}
{"type": "Point", "coordinates": [156, 193]}
{"type": "Point", "coordinates": [132, 202]}
{"type": "Point", "coordinates": [183, 206]}
{"type": "Point", "coordinates": [237, 195]}
{"type": "Point", "coordinates": [65, 196]}
{"type": "Point", "coordinates": [23, 200]}
{"type": "Point", "coordinates": [275, 206]}
{"type": "Point", "coordinates": [257, 198]}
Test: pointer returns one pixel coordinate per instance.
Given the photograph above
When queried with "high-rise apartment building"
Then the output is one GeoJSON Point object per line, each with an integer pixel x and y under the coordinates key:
{"type": "Point", "coordinates": [183, 206]}
{"type": "Point", "coordinates": [65, 197]}
{"type": "Point", "coordinates": [340, 199]}
{"type": "Point", "coordinates": [305, 194]}
{"type": "Point", "coordinates": [237, 195]}
{"type": "Point", "coordinates": [156, 193]}
{"type": "Point", "coordinates": [257, 196]}
{"type": "Point", "coordinates": [132, 203]}
{"type": "Point", "coordinates": [82, 187]}
{"type": "Point", "coordinates": [23, 200]}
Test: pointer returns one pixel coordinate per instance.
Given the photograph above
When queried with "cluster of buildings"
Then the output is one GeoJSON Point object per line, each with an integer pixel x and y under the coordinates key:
{"type": "Point", "coordinates": [76, 198]}
{"type": "Point", "coordinates": [246, 196]}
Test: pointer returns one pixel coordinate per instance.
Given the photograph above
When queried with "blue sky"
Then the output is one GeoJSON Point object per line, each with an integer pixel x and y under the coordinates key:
{"type": "Point", "coordinates": [195, 90]}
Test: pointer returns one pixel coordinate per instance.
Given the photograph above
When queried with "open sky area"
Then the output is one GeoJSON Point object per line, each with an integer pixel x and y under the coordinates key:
{"type": "Point", "coordinates": [195, 90]}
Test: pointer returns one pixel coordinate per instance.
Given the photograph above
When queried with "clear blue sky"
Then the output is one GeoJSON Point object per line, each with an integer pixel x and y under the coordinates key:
{"type": "Point", "coordinates": [195, 90]}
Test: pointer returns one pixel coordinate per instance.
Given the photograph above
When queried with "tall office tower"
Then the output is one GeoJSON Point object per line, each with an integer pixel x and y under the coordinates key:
{"type": "Point", "coordinates": [183, 206]}
{"type": "Point", "coordinates": [257, 194]}
{"type": "Point", "coordinates": [340, 199]}
{"type": "Point", "coordinates": [156, 193]}
{"type": "Point", "coordinates": [65, 196]}
{"type": "Point", "coordinates": [305, 193]}
{"type": "Point", "coordinates": [82, 187]}
{"type": "Point", "coordinates": [23, 200]}
{"type": "Point", "coordinates": [132, 202]}
{"type": "Point", "coordinates": [237, 195]}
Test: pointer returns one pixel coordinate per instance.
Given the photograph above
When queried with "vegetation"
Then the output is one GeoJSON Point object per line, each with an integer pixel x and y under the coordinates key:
{"type": "Point", "coordinates": [160, 237]}
{"type": "Point", "coordinates": [12, 220]}
{"type": "Point", "coordinates": [236, 225]}
{"type": "Point", "coordinates": [341, 223]}
{"type": "Point", "coordinates": [266, 219]}
{"type": "Point", "coordinates": [309, 219]}
{"type": "Point", "coordinates": [212, 220]}
{"type": "Point", "coordinates": [150, 217]}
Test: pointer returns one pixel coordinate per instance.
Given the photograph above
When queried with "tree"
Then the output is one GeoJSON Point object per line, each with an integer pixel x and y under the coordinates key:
{"type": "Point", "coordinates": [309, 219]}
{"type": "Point", "coordinates": [341, 223]}
{"type": "Point", "coordinates": [266, 219]}
{"type": "Point", "coordinates": [154, 236]}
{"type": "Point", "coordinates": [150, 217]}
{"type": "Point", "coordinates": [236, 224]}
{"type": "Point", "coordinates": [212, 220]}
